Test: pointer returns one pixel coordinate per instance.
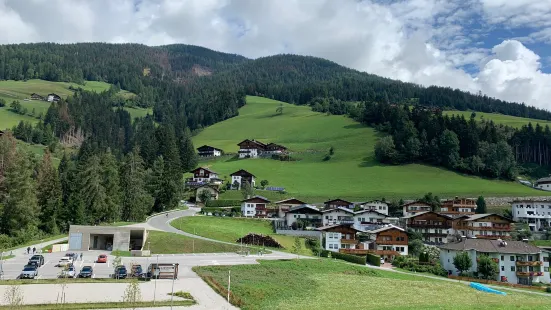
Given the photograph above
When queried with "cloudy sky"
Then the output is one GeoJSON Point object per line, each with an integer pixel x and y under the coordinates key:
{"type": "Point", "coordinates": [499, 47]}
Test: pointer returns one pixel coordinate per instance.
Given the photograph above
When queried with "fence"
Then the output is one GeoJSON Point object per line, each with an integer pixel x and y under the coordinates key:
{"type": "Point", "coordinates": [492, 282]}
{"type": "Point", "coordinates": [299, 233]}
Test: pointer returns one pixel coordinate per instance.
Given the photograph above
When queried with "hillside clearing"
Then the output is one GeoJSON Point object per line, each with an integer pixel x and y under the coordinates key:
{"type": "Point", "coordinates": [512, 121]}
{"type": "Point", "coordinates": [319, 284]}
{"type": "Point", "coordinates": [351, 173]}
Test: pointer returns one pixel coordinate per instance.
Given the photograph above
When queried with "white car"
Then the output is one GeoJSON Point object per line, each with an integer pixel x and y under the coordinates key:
{"type": "Point", "coordinates": [70, 272]}
{"type": "Point", "coordinates": [65, 261]}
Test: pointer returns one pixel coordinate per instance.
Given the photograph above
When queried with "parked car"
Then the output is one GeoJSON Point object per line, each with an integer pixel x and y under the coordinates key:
{"type": "Point", "coordinates": [120, 272]}
{"type": "Point", "coordinates": [37, 260]}
{"type": "Point", "coordinates": [73, 256]}
{"type": "Point", "coordinates": [65, 261]}
{"type": "Point", "coordinates": [69, 272]}
{"type": "Point", "coordinates": [136, 271]}
{"type": "Point", "coordinates": [86, 272]}
{"type": "Point", "coordinates": [102, 259]}
{"type": "Point", "coordinates": [29, 272]}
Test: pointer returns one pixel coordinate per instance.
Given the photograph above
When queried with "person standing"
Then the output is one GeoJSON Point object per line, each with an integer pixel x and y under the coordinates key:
{"type": "Point", "coordinates": [34, 250]}
{"type": "Point", "coordinates": [80, 255]}
{"type": "Point", "coordinates": [28, 250]}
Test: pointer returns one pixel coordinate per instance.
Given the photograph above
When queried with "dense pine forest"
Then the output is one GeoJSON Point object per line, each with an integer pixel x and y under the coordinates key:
{"type": "Point", "coordinates": [125, 169]}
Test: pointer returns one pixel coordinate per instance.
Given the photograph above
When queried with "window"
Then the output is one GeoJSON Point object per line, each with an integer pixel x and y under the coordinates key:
{"type": "Point", "coordinates": [502, 268]}
{"type": "Point", "coordinates": [512, 268]}
{"type": "Point", "coordinates": [512, 259]}
{"type": "Point", "coordinates": [546, 258]}
{"type": "Point", "coordinates": [546, 269]}
{"type": "Point", "coordinates": [502, 258]}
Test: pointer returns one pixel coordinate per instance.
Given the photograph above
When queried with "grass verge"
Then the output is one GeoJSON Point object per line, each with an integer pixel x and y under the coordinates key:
{"type": "Point", "coordinates": [64, 280]}
{"type": "Point", "coordinates": [34, 242]}
{"type": "Point", "coordinates": [314, 284]}
{"type": "Point", "coordinates": [105, 305]}
{"type": "Point", "coordinates": [170, 243]}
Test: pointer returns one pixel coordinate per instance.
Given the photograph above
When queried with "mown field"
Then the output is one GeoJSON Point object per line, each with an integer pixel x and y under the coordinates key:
{"type": "Point", "coordinates": [169, 243]}
{"type": "Point", "coordinates": [352, 171]}
{"type": "Point", "coordinates": [508, 120]}
{"type": "Point", "coordinates": [330, 284]}
{"type": "Point", "coordinates": [21, 90]}
{"type": "Point", "coordinates": [231, 229]}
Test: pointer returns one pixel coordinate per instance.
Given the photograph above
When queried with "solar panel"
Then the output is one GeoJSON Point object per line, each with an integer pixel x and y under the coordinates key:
{"type": "Point", "coordinates": [275, 189]}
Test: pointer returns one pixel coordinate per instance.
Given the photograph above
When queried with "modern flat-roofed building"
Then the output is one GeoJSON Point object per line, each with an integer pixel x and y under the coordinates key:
{"type": "Point", "coordinates": [109, 238]}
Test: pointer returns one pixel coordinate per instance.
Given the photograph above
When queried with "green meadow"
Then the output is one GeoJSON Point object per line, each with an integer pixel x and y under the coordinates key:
{"type": "Point", "coordinates": [512, 121]}
{"type": "Point", "coordinates": [351, 173]}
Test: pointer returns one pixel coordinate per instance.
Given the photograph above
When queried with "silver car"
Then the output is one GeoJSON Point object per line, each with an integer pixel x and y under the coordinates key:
{"type": "Point", "coordinates": [29, 272]}
{"type": "Point", "coordinates": [69, 272]}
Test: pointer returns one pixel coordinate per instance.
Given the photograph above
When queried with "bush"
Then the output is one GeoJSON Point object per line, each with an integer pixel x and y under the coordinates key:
{"type": "Point", "coordinates": [324, 253]}
{"type": "Point", "coordinates": [373, 259]}
{"type": "Point", "coordinates": [548, 289]}
{"type": "Point", "coordinates": [361, 260]}
{"type": "Point", "coordinates": [223, 203]}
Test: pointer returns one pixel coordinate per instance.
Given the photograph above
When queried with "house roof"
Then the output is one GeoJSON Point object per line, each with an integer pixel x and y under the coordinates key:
{"type": "Point", "coordinates": [271, 144]}
{"type": "Point", "coordinates": [547, 179]}
{"type": "Point", "coordinates": [492, 246]}
{"type": "Point", "coordinates": [310, 207]}
{"type": "Point", "coordinates": [241, 171]}
{"type": "Point", "coordinates": [256, 197]}
{"type": "Point", "coordinates": [338, 225]}
{"type": "Point", "coordinates": [204, 168]}
{"type": "Point", "coordinates": [371, 201]}
{"type": "Point", "coordinates": [385, 228]}
{"type": "Point", "coordinates": [425, 212]}
{"type": "Point", "coordinates": [338, 199]}
{"type": "Point", "coordinates": [415, 203]}
{"type": "Point", "coordinates": [253, 141]}
{"type": "Point", "coordinates": [337, 209]}
{"type": "Point", "coordinates": [291, 199]}
{"type": "Point", "coordinates": [370, 211]}
{"type": "Point", "coordinates": [481, 216]}
{"type": "Point", "coordinates": [204, 146]}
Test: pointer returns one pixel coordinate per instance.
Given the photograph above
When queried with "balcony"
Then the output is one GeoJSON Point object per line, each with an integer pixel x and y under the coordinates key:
{"type": "Point", "coordinates": [529, 263]}
{"type": "Point", "coordinates": [493, 237]}
{"type": "Point", "coordinates": [390, 242]}
{"type": "Point", "coordinates": [490, 228]}
{"type": "Point", "coordinates": [349, 241]}
{"type": "Point", "coordinates": [423, 225]}
{"type": "Point", "coordinates": [529, 273]}
{"type": "Point", "coordinates": [384, 252]}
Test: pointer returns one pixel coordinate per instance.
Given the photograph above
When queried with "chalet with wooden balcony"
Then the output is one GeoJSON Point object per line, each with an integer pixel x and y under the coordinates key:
{"type": "Point", "coordinates": [272, 148]}
{"type": "Point", "coordinates": [367, 219]}
{"type": "Point", "coordinates": [309, 215]}
{"type": "Point", "coordinates": [205, 175]}
{"type": "Point", "coordinates": [415, 207]}
{"type": "Point", "coordinates": [458, 206]}
{"type": "Point", "coordinates": [241, 176]}
{"type": "Point", "coordinates": [341, 237]}
{"type": "Point", "coordinates": [35, 96]}
{"type": "Point", "coordinates": [375, 205]}
{"type": "Point", "coordinates": [338, 203]}
{"type": "Point", "coordinates": [434, 227]}
{"type": "Point", "coordinates": [388, 242]}
{"type": "Point", "coordinates": [255, 207]}
{"type": "Point", "coordinates": [338, 216]}
{"type": "Point", "coordinates": [53, 98]}
{"type": "Point", "coordinates": [250, 148]}
{"type": "Point", "coordinates": [483, 226]}
{"type": "Point", "coordinates": [209, 151]}
{"type": "Point", "coordinates": [518, 262]}
{"type": "Point", "coordinates": [285, 205]}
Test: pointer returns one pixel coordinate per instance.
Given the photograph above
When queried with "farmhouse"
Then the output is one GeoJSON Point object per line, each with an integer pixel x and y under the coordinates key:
{"type": "Point", "coordinates": [205, 175]}
{"type": "Point", "coordinates": [375, 205]}
{"type": "Point", "coordinates": [338, 216]}
{"type": "Point", "coordinates": [335, 203]}
{"type": "Point", "coordinates": [212, 190]}
{"type": "Point", "coordinates": [543, 184]}
{"type": "Point", "coordinates": [35, 96]}
{"type": "Point", "coordinates": [368, 218]}
{"type": "Point", "coordinates": [458, 206]}
{"type": "Point", "coordinates": [536, 213]}
{"type": "Point", "coordinates": [272, 148]}
{"type": "Point", "coordinates": [109, 238]}
{"type": "Point", "coordinates": [415, 207]}
{"type": "Point", "coordinates": [53, 98]}
{"type": "Point", "coordinates": [209, 151]}
{"type": "Point", "coordinates": [254, 207]}
{"type": "Point", "coordinates": [519, 262]}
{"type": "Point", "coordinates": [340, 236]}
{"type": "Point", "coordinates": [435, 227]}
{"type": "Point", "coordinates": [309, 215]}
{"type": "Point", "coordinates": [388, 242]}
{"type": "Point", "coordinates": [250, 148]}
{"type": "Point", "coordinates": [285, 205]}
{"type": "Point", "coordinates": [239, 177]}
{"type": "Point", "coordinates": [483, 226]}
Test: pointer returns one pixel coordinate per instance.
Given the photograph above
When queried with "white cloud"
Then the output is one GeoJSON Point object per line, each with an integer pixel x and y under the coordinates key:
{"type": "Point", "coordinates": [421, 41]}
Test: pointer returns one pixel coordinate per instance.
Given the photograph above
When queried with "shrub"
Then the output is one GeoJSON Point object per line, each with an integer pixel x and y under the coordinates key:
{"type": "Point", "coordinates": [324, 253]}
{"type": "Point", "coordinates": [361, 260]}
{"type": "Point", "coordinates": [373, 259]}
{"type": "Point", "coordinates": [223, 203]}
{"type": "Point", "coordinates": [548, 289]}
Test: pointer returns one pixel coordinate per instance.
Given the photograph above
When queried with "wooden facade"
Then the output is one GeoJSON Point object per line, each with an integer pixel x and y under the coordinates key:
{"type": "Point", "coordinates": [458, 206]}
{"type": "Point", "coordinates": [204, 173]}
{"type": "Point", "coordinates": [393, 236]}
{"type": "Point", "coordinates": [208, 151]}
{"type": "Point", "coordinates": [430, 220]}
{"type": "Point", "coordinates": [335, 203]}
{"type": "Point", "coordinates": [490, 226]}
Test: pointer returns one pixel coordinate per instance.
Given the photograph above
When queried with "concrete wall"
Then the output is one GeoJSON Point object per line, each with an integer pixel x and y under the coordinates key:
{"type": "Point", "coordinates": [299, 233]}
{"type": "Point", "coordinates": [121, 236]}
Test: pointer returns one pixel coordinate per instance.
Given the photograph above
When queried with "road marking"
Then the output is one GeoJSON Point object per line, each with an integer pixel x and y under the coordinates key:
{"type": "Point", "coordinates": [94, 266]}
{"type": "Point", "coordinates": [81, 262]}
{"type": "Point", "coordinates": [37, 277]}
{"type": "Point", "coordinates": [107, 264]}
{"type": "Point", "coordinates": [46, 263]}
{"type": "Point", "coordinates": [215, 262]}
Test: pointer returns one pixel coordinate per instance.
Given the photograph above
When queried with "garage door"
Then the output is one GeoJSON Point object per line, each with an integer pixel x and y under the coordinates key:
{"type": "Point", "coordinates": [75, 241]}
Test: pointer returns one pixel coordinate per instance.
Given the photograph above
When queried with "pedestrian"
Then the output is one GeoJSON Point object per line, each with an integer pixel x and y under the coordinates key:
{"type": "Point", "coordinates": [81, 256]}
{"type": "Point", "coordinates": [28, 250]}
{"type": "Point", "coordinates": [34, 250]}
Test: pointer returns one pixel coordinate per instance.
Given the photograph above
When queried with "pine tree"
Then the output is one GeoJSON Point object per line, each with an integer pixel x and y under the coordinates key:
{"type": "Point", "coordinates": [188, 157]}
{"type": "Point", "coordinates": [172, 179]}
{"type": "Point", "coordinates": [481, 205]}
{"type": "Point", "coordinates": [72, 207]}
{"type": "Point", "coordinates": [92, 191]}
{"type": "Point", "coordinates": [136, 201]}
{"type": "Point", "coordinates": [49, 195]}
{"type": "Point", "coordinates": [111, 184]}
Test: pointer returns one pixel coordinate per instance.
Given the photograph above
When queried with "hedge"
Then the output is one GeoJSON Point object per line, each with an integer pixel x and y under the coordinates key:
{"type": "Point", "coordinates": [223, 203]}
{"type": "Point", "coordinates": [373, 259]}
{"type": "Point", "coordinates": [349, 258]}
{"type": "Point", "coordinates": [324, 253]}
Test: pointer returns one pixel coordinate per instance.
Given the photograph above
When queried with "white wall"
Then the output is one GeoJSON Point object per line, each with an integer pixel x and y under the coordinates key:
{"type": "Point", "coordinates": [378, 206]}
{"type": "Point", "coordinates": [333, 241]}
{"type": "Point", "coordinates": [248, 209]}
{"type": "Point", "coordinates": [331, 217]}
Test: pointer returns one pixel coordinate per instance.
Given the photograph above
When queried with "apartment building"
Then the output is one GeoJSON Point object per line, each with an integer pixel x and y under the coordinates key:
{"type": "Point", "coordinates": [434, 227]}
{"type": "Point", "coordinates": [458, 206]}
{"type": "Point", "coordinates": [536, 213]}
{"type": "Point", "coordinates": [483, 226]}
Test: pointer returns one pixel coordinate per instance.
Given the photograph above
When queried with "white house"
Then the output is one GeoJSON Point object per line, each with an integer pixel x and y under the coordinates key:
{"type": "Point", "coordinates": [338, 216]}
{"type": "Point", "coordinates": [415, 207]}
{"type": "Point", "coordinates": [518, 262]}
{"type": "Point", "coordinates": [250, 148]}
{"type": "Point", "coordinates": [543, 184]}
{"type": "Point", "coordinates": [308, 214]}
{"type": "Point", "coordinates": [375, 205]}
{"type": "Point", "coordinates": [341, 237]}
{"type": "Point", "coordinates": [285, 205]}
{"type": "Point", "coordinates": [209, 151]}
{"type": "Point", "coordinates": [254, 207]}
{"type": "Point", "coordinates": [364, 218]}
{"type": "Point", "coordinates": [536, 213]}
{"type": "Point", "coordinates": [205, 175]}
{"type": "Point", "coordinates": [240, 176]}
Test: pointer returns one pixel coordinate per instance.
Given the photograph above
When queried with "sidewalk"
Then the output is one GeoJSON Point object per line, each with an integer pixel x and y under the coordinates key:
{"type": "Point", "coordinates": [23, 250]}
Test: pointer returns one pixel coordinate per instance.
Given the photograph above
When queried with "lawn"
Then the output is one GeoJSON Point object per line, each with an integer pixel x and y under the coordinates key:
{"type": "Point", "coordinates": [351, 173]}
{"type": "Point", "coordinates": [105, 305]}
{"type": "Point", "coordinates": [508, 120]}
{"type": "Point", "coordinates": [329, 284]}
{"type": "Point", "coordinates": [169, 243]}
{"type": "Point", "coordinates": [138, 112]}
{"type": "Point", "coordinates": [230, 229]}
{"type": "Point", "coordinates": [34, 242]}
{"type": "Point", "coordinates": [546, 243]}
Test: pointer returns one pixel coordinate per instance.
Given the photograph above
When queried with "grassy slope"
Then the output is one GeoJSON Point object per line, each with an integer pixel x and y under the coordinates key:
{"type": "Point", "coordinates": [328, 284]}
{"type": "Point", "coordinates": [231, 229]}
{"type": "Point", "coordinates": [169, 243]}
{"type": "Point", "coordinates": [512, 121]}
{"type": "Point", "coordinates": [19, 90]}
{"type": "Point", "coordinates": [352, 173]}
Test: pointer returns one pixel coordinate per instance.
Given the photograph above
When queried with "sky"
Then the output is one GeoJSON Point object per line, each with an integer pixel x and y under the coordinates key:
{"type": "Point", "coordinates": [499, 47]}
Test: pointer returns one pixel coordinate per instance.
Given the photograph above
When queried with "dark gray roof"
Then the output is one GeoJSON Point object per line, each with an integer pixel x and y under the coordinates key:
{"type": "Point", "coordinates": [372, 211]}
{"type": "Point", "coordinates": [337, 225]}
{"type": "Point", "coordinates": [483, 215]}
{"type": "Point", "coordinates": [257, 197]}
{"type": "Point", "coordinates": [547, 179]}
{"type": "Point", "coordinates": [337, 209]}
{"type": "Point", "coordinates": [384, 228]}
{"type": "Point", "coordinates": [492, 246]}
{"type": "Point", "coordinates": [305, 206]}
{"type": "Point", "coordinates": [424, 212]}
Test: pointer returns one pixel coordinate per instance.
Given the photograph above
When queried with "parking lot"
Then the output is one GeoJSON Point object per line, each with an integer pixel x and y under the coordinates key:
{"type": "Point", "coordinates": [12, 267]}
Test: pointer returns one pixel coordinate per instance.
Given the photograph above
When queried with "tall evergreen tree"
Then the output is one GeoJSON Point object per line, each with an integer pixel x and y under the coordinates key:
{"type": "Point", "coordinates": [481, 205]}
{"type": "Point", "coordinates": [49, 195]}
{"type": "Point", "coordinates": [188, 156]}
{"type": "Point", "coordinates": [111, 184]}
{"type": "Point", "coordinates": [136, 201]}
{"type": "Point", "coordinates": [92, 191]}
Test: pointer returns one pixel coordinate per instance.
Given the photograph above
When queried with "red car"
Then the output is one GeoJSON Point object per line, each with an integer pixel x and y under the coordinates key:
{"type": "Point", "coordinates": [102, 259]}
